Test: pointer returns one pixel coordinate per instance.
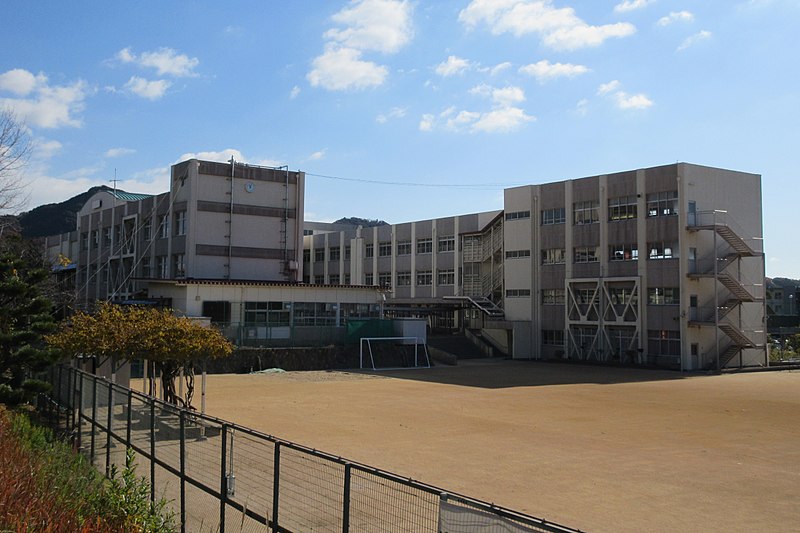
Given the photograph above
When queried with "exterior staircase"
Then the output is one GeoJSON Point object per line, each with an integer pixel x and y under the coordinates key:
{"type": "Point", "coordinates": [483, 304]}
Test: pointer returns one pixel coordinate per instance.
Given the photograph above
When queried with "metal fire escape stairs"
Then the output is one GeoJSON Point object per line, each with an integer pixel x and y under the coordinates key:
{"type": "Point", "coordinates": [738, 293]}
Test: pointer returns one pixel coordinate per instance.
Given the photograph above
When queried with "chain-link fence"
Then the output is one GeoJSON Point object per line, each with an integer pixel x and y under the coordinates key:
{"type": "Point", "coordinates": [218, 476]}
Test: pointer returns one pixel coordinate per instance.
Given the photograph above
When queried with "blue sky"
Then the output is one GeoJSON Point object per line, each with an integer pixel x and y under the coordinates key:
{"type": "Point", "coordinates": [447, 102]}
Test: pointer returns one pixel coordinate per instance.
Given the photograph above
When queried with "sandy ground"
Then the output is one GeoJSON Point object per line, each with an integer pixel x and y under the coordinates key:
{"type": "Point", "coordinates": [594, 448]}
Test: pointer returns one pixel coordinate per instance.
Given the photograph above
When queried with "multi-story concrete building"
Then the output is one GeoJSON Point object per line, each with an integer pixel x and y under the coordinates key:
{"type": "Point", "coordinates": [660, 266]}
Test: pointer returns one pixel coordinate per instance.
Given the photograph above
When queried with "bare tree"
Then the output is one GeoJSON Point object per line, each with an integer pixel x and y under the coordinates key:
{"type": "Point", "coordinates": [15, 150]}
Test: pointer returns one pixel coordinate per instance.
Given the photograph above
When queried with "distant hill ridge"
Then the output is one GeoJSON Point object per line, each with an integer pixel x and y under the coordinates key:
{"type": "Point", "coordinates": [53, 219]}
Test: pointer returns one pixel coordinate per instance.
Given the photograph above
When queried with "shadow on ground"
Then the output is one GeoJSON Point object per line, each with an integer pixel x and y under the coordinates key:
{"type": "Point", "coordinates": [498, 373]}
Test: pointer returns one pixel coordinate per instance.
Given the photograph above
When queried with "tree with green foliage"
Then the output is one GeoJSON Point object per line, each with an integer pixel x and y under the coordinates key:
{"type": "Point", "coordinates": [125, 333]}
{"type": "Point", "coordinates": [24, 315]}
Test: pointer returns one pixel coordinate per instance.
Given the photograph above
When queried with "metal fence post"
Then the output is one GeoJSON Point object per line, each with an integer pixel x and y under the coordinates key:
{"type": "Point", "coordinates": [346, 500]}
{"type": "Point", "coordinates": [182, 415]}
{"type": "Point", "coordinates": [94, 415]}
{"type": "Point", "coordinates": [276, 481]}
{"type": "Point", "coordinates": [223, 479]}
{"type": "Point", "coordinates": [80, 409]}
{"type": "Point", "coordinates": [152, 449]}
{"type": "Point", "coordinates": [108, 427]}
{"type": "Point", "coordinates": [129, 420]}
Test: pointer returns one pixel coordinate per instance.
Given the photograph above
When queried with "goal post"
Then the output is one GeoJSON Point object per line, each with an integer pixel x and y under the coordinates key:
{"type": "Point", "coordinates": [376, 348]}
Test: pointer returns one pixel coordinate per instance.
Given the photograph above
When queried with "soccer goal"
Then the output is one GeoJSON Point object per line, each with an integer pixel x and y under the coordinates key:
{"type": "Point", "coordinates": [393, 353]}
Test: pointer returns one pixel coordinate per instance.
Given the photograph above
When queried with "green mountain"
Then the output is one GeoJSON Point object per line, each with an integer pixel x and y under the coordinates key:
{"type": "Point", "coordinates": [52, 219]}
{"type": "Point", "coordinates": [363, 222]}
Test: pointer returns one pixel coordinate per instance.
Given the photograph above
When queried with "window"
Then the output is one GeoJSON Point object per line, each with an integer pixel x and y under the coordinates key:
{"type": "Point", "coordinates": [319, 279]}
{"type": "Point", "coordinates": [107, 237]}
{"type": "Point", "coordinates": [518, 293]}
{"type": "Point", "coordinates": [266, 314]}
{"type": "Point", "coordinates": [584, 296]}
{"type": "Point", "coordinates": [623, 252]}
{"type": "Point", "coordinates": [369, 250]}
{"type": "Point", "coordinates": [514, 254]}
{"type": "Point", "coordinates": [424, 246]}
{"type": "Point", "coordinates": [306, 255]}
{"type": "Point", "coordinates": [553, 296]}
{"type": "Point", "coordinates": [664, 342]}
{"type": "Point", "coordinates": [424, 277]}
{"type": "Point", "coordinates": [404, 248]}
{"type": "Point", "coordinates": [347, 279]}
{"type": "Point", "coordinates": [661, 204]}
{"type": "Point", "coordinates": [622, 295]}
{"type": "Point", "coordinates": [117, 235]}
{"type": "Point", "coordinates": [622, 208]}
{"type": "Point", "coordinates": [585, 254]}
{"type": "Point", "coordinates": [552, 337]}
{"type": "Point", "coordinates": [403, 278]}
{"type": "Point", "coordinates": [314, 314]}
{"type": "Point", "coordinates": [319, 254]}
{"type": "Point", "coordinates": [180, 223]}
{"type": "Point", "coordinates": [147, 229]}
{"type": "Point", "coordinates": [385, 249]}
{"type": "Point", "coordinates": [147, 270]}
{"type": "Point", "coordinates": [553, 216]}
{"type": "Point", "coordinates": [518, 215]}
{"type": "Point", "coordinates": [347, 253]}
{"type": "Point", "coordinates": [179, 266]}
{"type": "Point", "coordinates": [553, 256]}
{"type": "Point", "coordinates": [308, 232]}
{"type": "Point", "coordinates": [662, 250]}
{"type": "Point", "coordinates": [385, 279]}
{"type": "Point", "coordinates": [586, 212]}
{"type": "Point", "coordinates": [333, 279]}
{"type": "Point", "coordinates": [163, 225]}
{"type": "Point", "coordinates": [162, 267]}
{"type": "Point", "coordinates": [369, 279]}
{"type": "Point", "coordinates": [663, 296]}
{"type": "Point", "coordinates": [334, 253]}
{"type": "Point", "coordinates": [445, 277]}
{"type": "Point", "coordinates": [95, 238]}
{"type": "Point", "coordinates": [84, 241]}
{"type": "Point", "coordinates": [447, 244]}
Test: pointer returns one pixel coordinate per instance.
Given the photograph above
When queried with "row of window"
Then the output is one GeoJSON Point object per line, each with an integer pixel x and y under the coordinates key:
{"type": "Point", "coordinates": [659, 342]}
{"type": "Point", "coordinates": [424, 246]}
{"type": "Point", "coordinates": [404, 278]}
{"type": "Point", "coordinates": [618, 295]}
{"type": "Point", "coordinates": [303, 313]}
{"type": "Point", "coordinates": [619, 208]}
{"type": "Point", "coordinates": [163, 232]}
{"type": "Point", "coordinates": [589, 254]}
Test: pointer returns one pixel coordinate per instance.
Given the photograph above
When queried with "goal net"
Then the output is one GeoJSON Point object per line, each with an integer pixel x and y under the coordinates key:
{"type": "Point", "coordinates": [393, 353]}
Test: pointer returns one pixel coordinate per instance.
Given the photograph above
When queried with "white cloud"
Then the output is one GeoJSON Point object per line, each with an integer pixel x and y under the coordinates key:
{"type": "Point", "coordinates": [559, 28]}
{"type": "Point", "coordinates": [502, 120]}
{"type": "Point", "coordinates": [581, 108]}
{"type": "Point", "coordinates": [152, 90]}
{"type": "Point", "coordinates": [606, 88]}
{"type": "Point", "coordinates": [44, 149]}
{"type": "Point", "coordinates": [545, 71]}
{"type": "Point", "coordinates": [376, 25]}
{"type": "Point", "coordinates": [632, 5]}
{"type": "Point", "coordinates": [676, 16]}
{"type": "Point", "coordinates": [632, 101]}
{"type": "Point", "coordinates": [395, 112]}
{"type": "Point", "coordinates": [20, 81]}
{"type": "Point", "coordinates": [497, 69]}
{"type": "Point", "coordinates": [504, 117]}
{"type": "Point", "coordinates": [222, 156]}
{"type": "Point", "coordinates": [340, 69]}
{"type": "Point", "coordinates": [165, 61]}
{"type": "Point", "coordinates": [622, 99]}
{"type": "Point", "coordinates": [119, 152]}
{"type": "Point", "coordinates": [316, 156]}
{"type": "Point", "coordinates": [369, 26]}
{"type": "Point", "coordinates": [295, 92]}
{"type": "Point", "coordinates": [694, 39]}
{"type": "Point", "coordinates": [43, 105]}
{"type": "Point", "coordinates": [452, 66]}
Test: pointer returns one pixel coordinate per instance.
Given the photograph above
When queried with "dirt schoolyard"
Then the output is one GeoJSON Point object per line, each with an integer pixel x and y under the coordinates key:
{"type": "Point", "coordinates": [600, 449]}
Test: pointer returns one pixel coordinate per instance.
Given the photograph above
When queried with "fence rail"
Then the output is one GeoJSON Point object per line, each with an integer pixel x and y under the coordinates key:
{"type": "Point", "coordinates": [219, 476]}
